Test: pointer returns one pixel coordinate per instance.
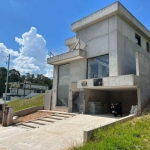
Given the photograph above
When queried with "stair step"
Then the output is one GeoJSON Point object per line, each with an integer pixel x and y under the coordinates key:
{"type": "Point", "coordinates": [61, 115]}
{"type": "Point", "coordinates": [38, 122]}
{"type": "Point", "coordinates": [35, 124]}
{"type": "Point", "coordinates": [48, 120]}
{"type": "Point", "coordinates": [55, 117]}
{"type": "Point", "coordinates": [67, 114]}
{"type": "Point", "coordinates": [28, 125]}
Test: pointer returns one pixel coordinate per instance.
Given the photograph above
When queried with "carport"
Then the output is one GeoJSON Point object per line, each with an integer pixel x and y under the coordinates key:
{"type": "Point", "coordinates": [98, 98]}
{"type": "Point", "coordinates": [98, 101]}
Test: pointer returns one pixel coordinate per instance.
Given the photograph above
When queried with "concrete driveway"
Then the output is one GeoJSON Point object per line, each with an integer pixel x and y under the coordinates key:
{"type": "Point", "coordinates": [55, 136]}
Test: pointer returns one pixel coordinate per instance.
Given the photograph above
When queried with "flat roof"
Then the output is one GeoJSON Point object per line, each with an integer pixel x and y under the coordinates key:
{"type": "Point", "coordinates": [115, 8]}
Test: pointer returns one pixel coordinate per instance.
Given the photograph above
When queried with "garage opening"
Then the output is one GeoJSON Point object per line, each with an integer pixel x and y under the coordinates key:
{"type": "Point", "coordinates": [99, 101]}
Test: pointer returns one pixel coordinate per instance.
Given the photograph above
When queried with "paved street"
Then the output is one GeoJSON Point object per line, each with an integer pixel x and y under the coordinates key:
{"type": "Point", "coordinates": [55, 136]}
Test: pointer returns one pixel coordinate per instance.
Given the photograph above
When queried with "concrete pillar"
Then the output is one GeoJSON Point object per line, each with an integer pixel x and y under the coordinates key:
{"type": "Point", "coordinates": [10, 116]}
{"type": "Point", "coordinates": [70, 106]}
{"type": "Point", "coordinates": [5, 111]}
{"type": "Point", "coordinates": [84, 106]}
{"type": "Point", "coordinates": [82, 102]}
{"type": "Point", "coordinates": [48, 100]}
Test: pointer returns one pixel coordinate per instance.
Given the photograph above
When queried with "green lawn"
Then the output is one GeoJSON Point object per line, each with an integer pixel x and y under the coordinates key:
{"type": "Point", "coordinates": [26, 103]}
{"type": "Point", "coordinates": [132, 135]}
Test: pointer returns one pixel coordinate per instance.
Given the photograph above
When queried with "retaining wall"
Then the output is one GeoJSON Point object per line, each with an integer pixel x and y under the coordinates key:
{"type": "Point", "coordinates": [87, 135]}
{"type": "Point", "coordinates": [28, 111]}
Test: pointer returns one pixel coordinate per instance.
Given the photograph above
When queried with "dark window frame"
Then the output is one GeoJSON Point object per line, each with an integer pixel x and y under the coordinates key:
{"type": "Point", "coordinates": [147, 47]}
{"type": "Point", "coordinates": [138, 38]}
{"type": "Point", "coordinates": [87, 64]}
{"type": "Point", "coordinates": [58, 83]}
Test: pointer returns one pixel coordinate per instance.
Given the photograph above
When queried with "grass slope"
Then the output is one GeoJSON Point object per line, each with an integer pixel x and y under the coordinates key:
{"type": "Point", "coordinates": [132, 135]}
{"type": "Point", "coordinates": [26, 103]}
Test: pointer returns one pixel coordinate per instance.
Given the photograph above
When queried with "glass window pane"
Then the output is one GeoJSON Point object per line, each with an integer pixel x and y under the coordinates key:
{"type": "Point", "coordinates": [63, 85]}
{"type": "Point", "coordinates": [98, 67]}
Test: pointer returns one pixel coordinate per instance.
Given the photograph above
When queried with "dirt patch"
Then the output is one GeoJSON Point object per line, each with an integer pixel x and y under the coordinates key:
{"type": "Point", "coordinates": [32, 116]}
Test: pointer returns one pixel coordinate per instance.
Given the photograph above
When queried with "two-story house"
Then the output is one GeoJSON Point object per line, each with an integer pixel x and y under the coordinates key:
{"type": "Point", "coordinates": [108, 61]}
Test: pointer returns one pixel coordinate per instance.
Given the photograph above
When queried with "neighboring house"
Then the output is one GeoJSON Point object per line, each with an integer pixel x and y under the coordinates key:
{"type": "Point", "coordinates": [18, 89]}
{"type": "Point", "coordinates": [108, 61]}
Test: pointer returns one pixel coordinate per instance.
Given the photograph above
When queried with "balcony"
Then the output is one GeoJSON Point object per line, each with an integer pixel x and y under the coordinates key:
{"type": "Point", "coordinates": [67, 57]}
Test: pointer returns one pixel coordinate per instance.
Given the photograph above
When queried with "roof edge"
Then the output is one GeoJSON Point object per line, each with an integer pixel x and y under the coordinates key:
{"type": "Point", "coordinates": [115, 8]}
{"type": "Point", "coordinates": [95, 17]}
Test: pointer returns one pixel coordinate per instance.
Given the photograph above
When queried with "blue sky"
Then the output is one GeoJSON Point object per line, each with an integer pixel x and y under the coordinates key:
{"type": "Point", "coordinates": [51, 21]}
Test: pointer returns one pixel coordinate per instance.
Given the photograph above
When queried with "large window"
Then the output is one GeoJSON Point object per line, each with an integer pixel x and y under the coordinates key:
{"type": "Point", "coordinates": [63, 85]}
{"type": "Point", "coordinates": [98, 67]}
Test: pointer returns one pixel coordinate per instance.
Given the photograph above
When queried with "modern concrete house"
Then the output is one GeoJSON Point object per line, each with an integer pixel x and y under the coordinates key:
{"type": "Point", "coordinates": [108, 61]}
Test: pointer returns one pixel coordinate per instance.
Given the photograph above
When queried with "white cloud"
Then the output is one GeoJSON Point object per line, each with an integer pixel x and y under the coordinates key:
{"type": "Point", "coordinates": [33, 54]}
{"type": "Point", "coordinates": [4, 51]}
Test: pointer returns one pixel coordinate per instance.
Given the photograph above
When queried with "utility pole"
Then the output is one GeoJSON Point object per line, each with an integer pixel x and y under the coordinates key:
{"type": "Point", "coordinates": [4, 123]}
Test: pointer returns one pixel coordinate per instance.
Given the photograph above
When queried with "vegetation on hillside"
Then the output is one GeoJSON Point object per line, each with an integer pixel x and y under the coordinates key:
{"type": "Point", "coordinates": [132, 135]}
{"type": "Point", "coordinates": [26, 103]}
{"type": "Point", "coordinates": [15, 76]}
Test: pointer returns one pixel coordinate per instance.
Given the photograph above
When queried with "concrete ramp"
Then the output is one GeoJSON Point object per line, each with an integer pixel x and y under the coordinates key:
{"type": "Point", "coordinates": [53, 134]}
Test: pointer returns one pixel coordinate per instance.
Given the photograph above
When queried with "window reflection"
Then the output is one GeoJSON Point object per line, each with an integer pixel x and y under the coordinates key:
{"type": "Point", "coordinates": [63, 85]}
{"type": "Point", "coordinates": [98, 67]}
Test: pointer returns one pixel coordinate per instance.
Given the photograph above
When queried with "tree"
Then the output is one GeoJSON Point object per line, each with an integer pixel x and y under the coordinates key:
{"type": "Point", "coordinates": [14, 75]}
{"type": "Point", "coordinates": [41, 79]}
{"type": "Point", "coordinates": [29, 77]}
{"type": "Point", "coordinates": [22, 78]}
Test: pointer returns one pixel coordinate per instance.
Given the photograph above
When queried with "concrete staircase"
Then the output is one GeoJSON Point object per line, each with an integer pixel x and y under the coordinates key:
{"type": "Point", "coordinates": [52, 118]}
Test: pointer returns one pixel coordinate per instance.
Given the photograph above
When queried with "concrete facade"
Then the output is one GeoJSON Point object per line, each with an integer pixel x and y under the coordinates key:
{"type": "Point", "coordinates": [108, 31]}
